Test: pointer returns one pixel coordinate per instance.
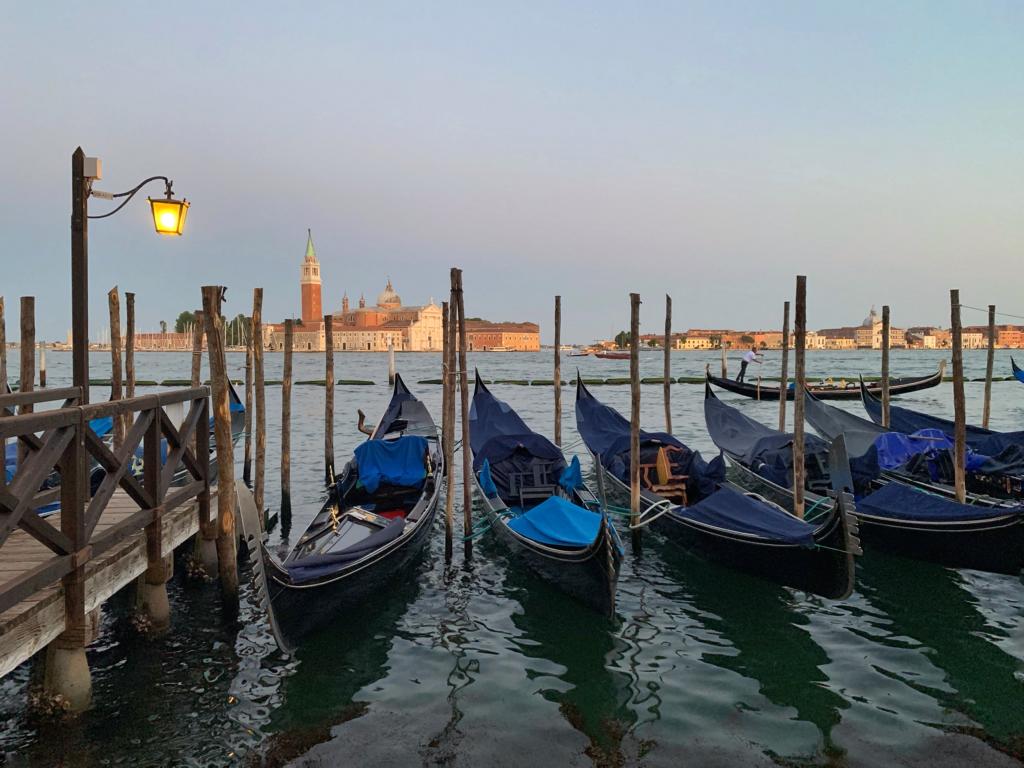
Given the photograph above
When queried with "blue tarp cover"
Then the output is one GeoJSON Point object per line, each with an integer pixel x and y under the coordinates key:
{"type": "Point", "coordinates": [902, 502]}
{"type": "Point", "coordinates": [734, 511]}
{"type": "Point", "coordinates": [397, 462]}
{"type": "Point", "coordinates": [315, 566]}
{"type": "Point", "coordinates": [572, 476]}
{"type": "Point", "coordinates": [558, 522]}
{"type": "Point", "coordinates": [486, 481]}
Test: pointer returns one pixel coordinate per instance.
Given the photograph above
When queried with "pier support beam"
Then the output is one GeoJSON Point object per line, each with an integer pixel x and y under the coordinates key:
{"type": "Point", "coordinates": [67, 675]}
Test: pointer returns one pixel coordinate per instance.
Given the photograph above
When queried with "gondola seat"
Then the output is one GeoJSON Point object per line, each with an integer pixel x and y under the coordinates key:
{"type": "Point", "coordinates": [665, 482]}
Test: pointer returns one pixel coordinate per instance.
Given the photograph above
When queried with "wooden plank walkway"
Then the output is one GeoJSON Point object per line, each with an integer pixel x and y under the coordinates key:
{"type": "Point", "coordinates": [33, 623]}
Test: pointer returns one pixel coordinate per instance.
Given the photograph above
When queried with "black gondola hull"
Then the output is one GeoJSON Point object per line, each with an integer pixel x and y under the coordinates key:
{"type": "Point", "coordinates": [850, 392]}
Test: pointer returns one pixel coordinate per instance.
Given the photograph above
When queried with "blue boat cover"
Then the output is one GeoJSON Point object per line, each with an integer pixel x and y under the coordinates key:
{"type": "Point", "coordinates": [764, 450]}
{"type": "Point", "coordinates": [572, 476]}
{"type": "Point", "coordinates": [486, 481]}
{"type": "Point", "coordinates": [606, 434]}
{"type": "Point", "coordinates": [731, 510]}
{"type": "Point", "coordinates": [316, 566]}
{"type": "Point", "coordinates": [984, 441]}
{"type": "Point", "coordinates": [398, 462]}
{"type": "Point", "coordinates": [490, 417]}
{"type": "Point", "coordinates": [1018, 374]}
{"type": "Point", "coordinates": [558, 522]}
{"type": "Point", "coordinates": [904, 502]}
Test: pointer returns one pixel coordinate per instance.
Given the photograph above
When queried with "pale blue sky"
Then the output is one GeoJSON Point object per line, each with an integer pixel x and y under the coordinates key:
{"type": "Point", "coordinates": [713, 150]}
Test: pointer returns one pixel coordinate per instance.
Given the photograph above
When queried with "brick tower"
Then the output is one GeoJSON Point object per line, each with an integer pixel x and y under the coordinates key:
{"type": "Point", "coordinates": [312, 309]}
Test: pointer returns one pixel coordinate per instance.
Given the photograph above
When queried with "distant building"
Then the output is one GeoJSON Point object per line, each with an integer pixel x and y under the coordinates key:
{"type": "Point", "coordinates": [484, 336]}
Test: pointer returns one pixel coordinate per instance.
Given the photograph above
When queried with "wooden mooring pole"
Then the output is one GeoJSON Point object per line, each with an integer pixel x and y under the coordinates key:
{"type": "Point", "coordinates": [634, 415]}
{"type": "Point", "coordinates": [329, 398]}
{"type": "Point", "coordinates": [448, 426]}
{"type": "Point", "coordinates": [227, 556]}
{"type": "Point", "coordinates": [116, 374]}
{"type": "Point", "coordinates": [3, 383]}
{"type": "Point", "coordinates": [247, 450]}
{"type": "Point", "coordinates": [667, 375]}
{"type": "Point", "coordinates": [467, 467]}
{"type": "Point", "coordinates": [198, 327]}
{"type": "Point", "coordinates": [129, 345]}
{"type": "Point", "coordinates": [42, 365]}
{"type": "Point", "coordinates": [27, 373]}
{"type": "Point", "coordinates": [558, 371]}
{"type": "Point", "coordinates": [885, 365]}
{"type": "Point", "coordinates": [800, 329]}
{"type": "Point", "coordinates": [784, 374]}
{"type": "Point", "coordinates": [989, 365]}
{"type": "Point", "coordinates": [286, 430]}
{"type": "Point", "coordinates": [391, 362]}
{"type": "Point", "coordinates": [725, 365]}
{"type": "Point", "coordinates": [959, 407]}
{"type": "Point", "coordinates": [260, 400]}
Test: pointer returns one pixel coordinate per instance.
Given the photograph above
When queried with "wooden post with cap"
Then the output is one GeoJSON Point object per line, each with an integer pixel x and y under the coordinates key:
{"type": "Point", "coordinates": [959, 406]}
{"type": "Point", "coordinates": [885, 365]}
{"type": "Point", "coordinates": [467, 466]}
{"type": "Point", "coordinates": [247, 450]}
{"type": "Point", "coordinates": [329, 397]}
{"type": "Point", "coordinates": [667, 375]}
{"type": "Point", "coordinates": [634, 415]}
{"type": "Point", "coordinates": [800, 329]}
{"type": "Point", "coordinates": [784, 375]}
{"type": "Point", "coordinates": [447, 426]}
{"type": "Point", "coordinates": [558, 371]}
{"type": "Point", "coordinates": [27, 372]}
{"type": "Point", "coordinates": [116, 374]}
{"type": "Point", "coordinates": [286, 428]}
{"type": "Point", "coordinates": [989, 365]}
{"type": "Point", "coordinates": [259, 396]}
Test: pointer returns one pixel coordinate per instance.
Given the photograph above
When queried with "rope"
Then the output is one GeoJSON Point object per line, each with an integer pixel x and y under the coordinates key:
{"type": "Point", "coordinates": [1001, 314]}
{"type": "Point", "coordinates": [664, 504]}
{"type": "Point", "coordinates": [807, 515]}
{"type": "Point", "coordinates": [485, 525]}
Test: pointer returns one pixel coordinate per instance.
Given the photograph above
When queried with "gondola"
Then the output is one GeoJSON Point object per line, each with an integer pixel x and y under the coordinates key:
{"type": "Point", "coordinates": [375, 521]}
{"type": "Point", "coordinates": [539, 507]}
{"type": "Point", "coordinates": [896, 517]}
{"type": "Point", "coordinates": [995, 463]}
{"type": "Point", "coordinates": [689, 501]}
{"type": "Point", "coordinates": [920, 459]}
{"type": "Point", "coordinates": [1018, 374]}
{"type": "Point", "coordinates": [841, 390]}
{"type": "Point", "coordinates": [612, 355]}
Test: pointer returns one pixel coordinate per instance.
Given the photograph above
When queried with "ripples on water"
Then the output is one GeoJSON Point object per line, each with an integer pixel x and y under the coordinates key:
{"type": "Point", "coordinates": [479, 663]}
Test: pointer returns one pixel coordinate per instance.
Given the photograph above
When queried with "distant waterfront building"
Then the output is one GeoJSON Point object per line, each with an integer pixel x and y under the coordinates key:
{"type": "Point", "coordinates": [484, 336]}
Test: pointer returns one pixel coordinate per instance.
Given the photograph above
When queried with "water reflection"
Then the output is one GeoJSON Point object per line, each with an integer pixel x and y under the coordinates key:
{"type": "Point", "coordinates": [764, 627]}
{"type": "Point", "coordinates": [583, 647]}
{"type": "Point", "coordinates": [933, 610]}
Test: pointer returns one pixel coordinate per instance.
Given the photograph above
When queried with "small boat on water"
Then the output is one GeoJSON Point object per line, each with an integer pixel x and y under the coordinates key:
{"type": "Point", "coordinates": [895, 516]}
{"type": "Point", "coordinates": [1018, 374]}
{"type": "Point", "coordinates": [612, 355]}
{"type": "Point", "coordinates": [539, 507]}
{"type": "Point", "coordinates": [830, 389]}
{"type": "Point", "coordinates": [579, 353]}
{"type": "Point", "coordinates": [375, 522]}
{"type": "Point", "coordinates": [689, 501]}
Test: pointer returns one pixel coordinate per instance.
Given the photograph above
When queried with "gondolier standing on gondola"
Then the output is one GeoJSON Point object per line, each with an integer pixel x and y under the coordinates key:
{"type": "Point", "coordinates": [748, 357]}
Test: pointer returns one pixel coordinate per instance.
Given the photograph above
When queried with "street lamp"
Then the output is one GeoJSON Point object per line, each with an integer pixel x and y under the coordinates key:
{"type": "Point", "coordinates": [168, 218]}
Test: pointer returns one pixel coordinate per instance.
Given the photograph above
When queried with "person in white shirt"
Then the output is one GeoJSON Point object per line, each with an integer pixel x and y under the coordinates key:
{"type": "Point", "coordinates": [748, 358]}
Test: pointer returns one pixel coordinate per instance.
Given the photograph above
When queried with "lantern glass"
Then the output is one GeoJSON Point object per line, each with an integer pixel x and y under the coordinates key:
{"type": "Point", "coordinates": [169, 215]}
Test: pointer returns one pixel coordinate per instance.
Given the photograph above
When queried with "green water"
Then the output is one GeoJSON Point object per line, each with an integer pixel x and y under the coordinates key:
{"type": "Point", "coordinates": [479, 663]}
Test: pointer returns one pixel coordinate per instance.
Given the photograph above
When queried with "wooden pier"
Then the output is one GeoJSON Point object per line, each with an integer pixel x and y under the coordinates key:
{"type": "Point", "coordinates": [151, 494]}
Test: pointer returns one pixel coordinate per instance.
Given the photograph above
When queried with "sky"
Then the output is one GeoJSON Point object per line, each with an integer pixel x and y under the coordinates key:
{"type": "Point", "coordinates": [712, 151]}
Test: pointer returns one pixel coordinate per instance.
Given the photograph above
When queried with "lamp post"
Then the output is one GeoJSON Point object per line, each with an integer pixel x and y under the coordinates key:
{"type": "Point", "coordinates": [168, 219]}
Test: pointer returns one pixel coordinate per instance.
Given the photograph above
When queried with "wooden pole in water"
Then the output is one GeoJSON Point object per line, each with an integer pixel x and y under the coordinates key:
{"type": "Point", "coordinates": [885, 365]}
{"type": "Point", "coordinates": [247, 451]}
{"type": "Point", "coordinates": [391, 362]}
{"type": "Point", "coordinates": [27, 373]}
{"type": "Point", "coordinates": [197, 348]}
{"type": "Point", "coordinates": [800, 329]}
{"type": "Point", "coordinates": [42, 365]}
{"type": "Point", "coordinates": [260, 399]}
{"type": "Point", "coordinates": [129, 345]}
{"type": "Point", "coordinates": [634, 414]}
{"type": "Point", "coordinates": [784, 376]}
{"type": "Point", "coordinates": [558, 371]}
{"type": "Point", "coordinates": [959, 407]}
{"type": "Point", "coordinates": [989, 364]}
{"type": "Point", "coordinates": [116, 375]}
{"type": "Point", "coordinates": [329, 398]}
{"type": "Point", "coordinates": [447, 428]}
{"type": "Point", "coordinates": [286, 425]}
{"type": "Point", "coordinates": [725, 366]}
{"type": "Point", "coordinates": [3, 384]}
{"type": "Point", "coordinates": [667, 375]}
{"type": "Point", "coordinates": [467, 468]}
{"type": "Point", "coordinates": [227, 557]}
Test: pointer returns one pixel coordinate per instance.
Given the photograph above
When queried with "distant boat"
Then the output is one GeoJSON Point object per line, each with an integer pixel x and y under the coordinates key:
{"type": "Point", "coordinates": [843, 390]}
{"type": "Point", "coordinates": [612, 355]}
{"type": "Point", "coordinates": [579, 353]}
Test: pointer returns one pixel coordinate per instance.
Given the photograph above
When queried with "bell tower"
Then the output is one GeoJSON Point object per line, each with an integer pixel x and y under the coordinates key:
{"type": "Point", "coordinates": [312, 309]}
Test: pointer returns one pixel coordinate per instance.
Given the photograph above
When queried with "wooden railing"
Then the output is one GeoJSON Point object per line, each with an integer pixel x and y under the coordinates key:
{"type": "Point", "coordinates": [59, 449]}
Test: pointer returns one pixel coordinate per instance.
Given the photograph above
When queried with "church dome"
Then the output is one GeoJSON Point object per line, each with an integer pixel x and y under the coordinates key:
{"type": "Point", "coordinates": [388, 297]}
{"type": "Point", "coordinates": [871, 319]}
